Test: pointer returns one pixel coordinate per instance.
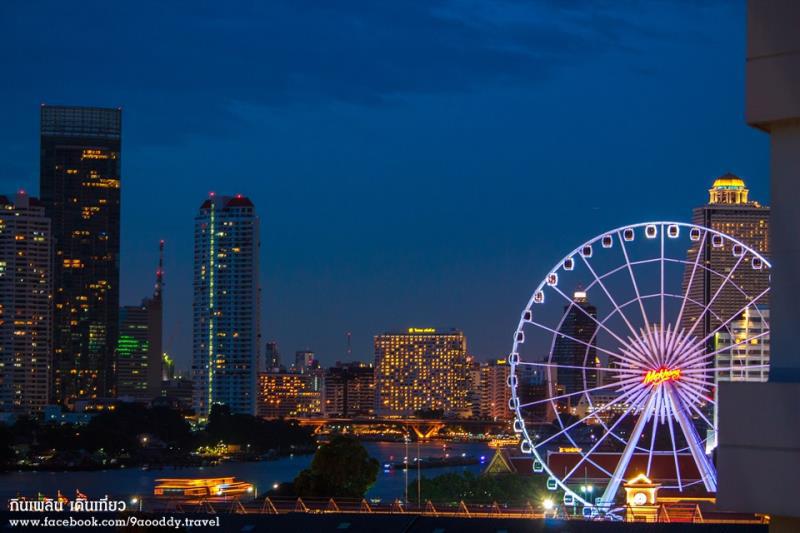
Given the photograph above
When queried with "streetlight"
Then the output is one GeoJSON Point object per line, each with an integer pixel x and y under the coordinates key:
{"type": "Point", "coordinates": [405, 465]}
{"type": "Point", "coordinates": [547, 504]}
{"type": "Point", "coordinates": [137, 501]}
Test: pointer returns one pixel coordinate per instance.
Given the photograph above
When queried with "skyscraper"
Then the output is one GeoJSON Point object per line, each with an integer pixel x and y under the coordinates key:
{"type": "Point", "coordinates": [139, 348]}
{"type": "Point", "coordinates": [579, 325]}
{"type": "Point", "coordinates": [419, 369]}
{"type": "Point", "coordinates": [226, 305]}
{"type": "Point", "coordinates": [80, 188]}
{"type": "Point", "coordinates": [730, 211]}
{"type": "Point", "coordinates": [25, 304]}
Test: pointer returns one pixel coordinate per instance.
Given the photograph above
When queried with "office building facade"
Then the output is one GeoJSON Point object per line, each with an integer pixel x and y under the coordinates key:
{"type": "Point", "coordinates": [349, 390]}
{"type": "Point", "coordinates": [288, 395]}
{"type": "Point", "coordinates": [80, 171]}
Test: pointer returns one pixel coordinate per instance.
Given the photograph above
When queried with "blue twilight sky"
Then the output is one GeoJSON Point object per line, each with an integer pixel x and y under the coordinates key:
{"type": "Point", "coordinates": [413, 163]}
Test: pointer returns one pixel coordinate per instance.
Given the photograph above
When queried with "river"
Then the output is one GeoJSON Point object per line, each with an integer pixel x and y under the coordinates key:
{"type": "Point", "coordinates": [136, 481]}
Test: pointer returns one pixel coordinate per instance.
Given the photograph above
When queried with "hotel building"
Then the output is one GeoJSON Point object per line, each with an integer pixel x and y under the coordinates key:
{"type": "Point", "coordinates": [730, 211]}
{"type": "Point", "coordinates": [421, 368]}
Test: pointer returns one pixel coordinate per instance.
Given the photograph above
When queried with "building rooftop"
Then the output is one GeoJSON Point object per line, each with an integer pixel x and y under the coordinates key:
{"type": "Point", "coordinates": [224, 202]}
{"type": "Point", "coordinates": [728, 181]}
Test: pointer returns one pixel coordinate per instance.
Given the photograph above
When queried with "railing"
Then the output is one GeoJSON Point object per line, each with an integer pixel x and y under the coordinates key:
{"type": "Point", "coordinates": [269, 505]}
{"type": "Point", "coordinates": [335, 505]}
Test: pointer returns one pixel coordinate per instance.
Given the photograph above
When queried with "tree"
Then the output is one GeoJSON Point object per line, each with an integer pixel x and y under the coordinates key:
{"type": "Point", "coordinates": [261, 435]}
{"type": "Point", "coordinates": [429, 413]}
{"type": "Point", "coordinates": [340, 468]}
{"type": "Point", "coordinates": [513, 489]}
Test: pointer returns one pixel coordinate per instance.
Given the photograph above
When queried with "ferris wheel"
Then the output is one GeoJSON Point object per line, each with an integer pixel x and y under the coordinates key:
{"type": "Point", "coordinates": [617, 354]}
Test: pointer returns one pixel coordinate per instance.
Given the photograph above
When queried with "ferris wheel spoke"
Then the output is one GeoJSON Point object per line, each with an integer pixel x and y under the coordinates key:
{"type": "Point", "coordinates": [585, 391]}
{"type": "Point", "coordinates": [654, 429]}
{"type": "Point", "coordinates": [702, 396]}
{"type": "Point", "coordinates": [601, 439]}
{"type": "Point", "coordinates": [700, 250]}
{"type": "Point", "coordinates": [695, 380]}
{"type": "Point", "coordinates": [588, 345]}
{"type": "Point", "coordinates": [633, 279]}
{"type": "Point", "coordinates": [716, 369]}
{"type": "Point", "coordinates": [717, 293]}
{"type": "Point", "coordinates": [635, 359]}
{"type": "Point", "coordinates": [608, 295]}
{"type": "Point", "coordinates": [735, 315]}
{"type": "Point", "coordinates": [707, 472]}
{"type": "Point", "coordinates": [616, 400]}
{"type": "Point", "coordinates": [661, 332]}
{"type": "Point", "coordinates": [594, 319]}
{"type": "Point", "coordinates": [688, 401]}
{"type": "Point", "coordinates": [622, 466]}
{"type": "Point", "coordinates": [670, 414]}
{"type": "Point", "coordinates": [704, 356]}
{"type": "Point", "coordinates": [697, 390]}
{"type": "Point", "coordinates": [592, 368]}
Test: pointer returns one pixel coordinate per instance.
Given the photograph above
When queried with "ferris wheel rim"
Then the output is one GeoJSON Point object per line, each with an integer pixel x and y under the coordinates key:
{"type": "Point", "coordinates": [576, 251]}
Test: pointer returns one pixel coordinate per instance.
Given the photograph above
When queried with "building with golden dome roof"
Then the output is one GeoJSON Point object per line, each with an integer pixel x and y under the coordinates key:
{"type": "Point", "coordinates": [730, 211]}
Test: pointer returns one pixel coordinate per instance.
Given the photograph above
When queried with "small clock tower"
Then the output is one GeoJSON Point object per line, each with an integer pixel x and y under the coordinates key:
{"type": "Point", "coordinates": [641, 498]}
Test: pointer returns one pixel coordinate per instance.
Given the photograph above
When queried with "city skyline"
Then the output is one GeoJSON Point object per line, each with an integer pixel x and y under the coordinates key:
{"type": "Point", "coordinates": [330, 165]}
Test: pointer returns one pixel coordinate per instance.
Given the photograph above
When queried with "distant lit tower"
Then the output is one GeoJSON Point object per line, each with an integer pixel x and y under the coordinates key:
{"type": "Point", "coordinates": [581, 324]}
{"type": "Point", "coordinates": [273, 357]}
{"type": "Point", "coordinates": [303, 360]}
{"type": "Point", "coordinates": [226, 305]}
{"type": "Point", "coordinates": [25, 304]}
{"type": "Point", "coordinates": [80, 187]}
{"type": "Point", "coordinates": [730, 211]}
{"type": "Point", "coordinates": [139, 346]}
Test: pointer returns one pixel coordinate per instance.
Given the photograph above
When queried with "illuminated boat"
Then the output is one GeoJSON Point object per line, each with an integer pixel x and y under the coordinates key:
{"type": "Point", "coordinates": [217, 487]}
{"type": "Point", "coordinates": [504, 442]}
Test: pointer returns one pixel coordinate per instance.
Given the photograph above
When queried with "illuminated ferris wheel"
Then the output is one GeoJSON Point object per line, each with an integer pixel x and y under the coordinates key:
{"type": "Point", "coordinates": [618, 352]}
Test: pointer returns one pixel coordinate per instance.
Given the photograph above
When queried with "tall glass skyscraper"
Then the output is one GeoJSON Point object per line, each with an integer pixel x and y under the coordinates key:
{"type": "Point", "coordinates": [25, 304]}
{"type": "Point", "coordinates": [226, 333]}
{"type": "Point", "coordinates": [80, 188]}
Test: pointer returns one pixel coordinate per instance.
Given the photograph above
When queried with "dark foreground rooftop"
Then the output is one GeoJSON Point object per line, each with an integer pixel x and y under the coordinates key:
{"type": "Point", "coordinates": [381, 523]}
